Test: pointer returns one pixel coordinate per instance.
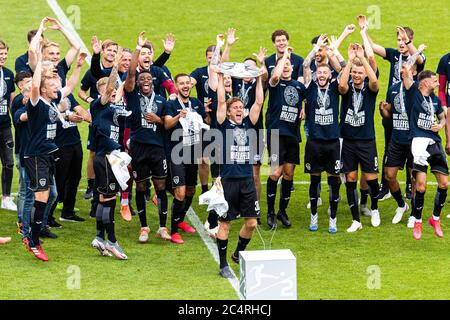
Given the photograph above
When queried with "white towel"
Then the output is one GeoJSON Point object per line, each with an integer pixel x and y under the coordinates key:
{"type": "Point", "coordinates": [194, 118]}
{"type": "Point", "coordinates": [215, 199]}
{"type": "Point", "coordinates": [119, 162]}
{"type": "Point", "coordinates": [419, 150]}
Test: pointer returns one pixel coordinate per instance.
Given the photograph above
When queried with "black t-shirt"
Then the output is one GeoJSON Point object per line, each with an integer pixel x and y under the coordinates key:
{"type": "Point", "coordinates": [19, 126]}
{"type": "Point", "coordinates": [201, 76]}
{"type": "Point", "coordinates": [322, 111]}
{"type": "Point", "coordinates": [67, 134]}
{"type": "Point", "coordinates": [22, 64]}
{"type": "Point", "coordinates": [6, 88]}
{"type": "Point", "coordinates": [191, 138]}
{"type": "Point", "coordinates": [396, 59]}
{"type": "Point", "coordinates": [105, 127]}
{"type": "Point", "coordinates": [444, 69]}
{"type": "Point", "coordinates": [357, 113]}
{"type": "Point", "coordinates": [62, 69]}
{"type": "Point", "coordinates": [237, 152]}
{"type": "Point", "coordinates": [399, 110]}
{"type": "Point", "coordinates": [89, 83]}
{"type": "Point", "coordinates": [285, 104]}
{"type": "Point", "coordinates": [296, 61]}
{"type": "Point", "coordinates": [141, 130]}
{"type": "Point", "coordinates": [42, 125]}
{"type": "Point", "coordinates": [424, 112]}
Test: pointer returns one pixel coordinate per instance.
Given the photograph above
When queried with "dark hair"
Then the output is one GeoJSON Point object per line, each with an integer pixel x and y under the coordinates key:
{"type": "Point", "coordinates": [425, 74]}
{"type": "Point", "coordinates": [145, 71]}
{"type": "Point", "coordinates": [232, 100]}
{"type": "Point", "coordinates": [251, 59]}
{"type": "Point", "coordinates": [127, 50]}
{"type": "Point", "coordinates": [148, 45]}
{"type": "Point", "coordinates": [181, 75]}
{"type": "Point", "coordinates": [409, 32]}
{"type": "Point", "coordinates": [314, 40]}
{"type": "Point", "coordinates": [31, 35]}
{"type": "Point", "coordinates": [278, 33]}
{"type": "Point", "coordinates": [20, 76]}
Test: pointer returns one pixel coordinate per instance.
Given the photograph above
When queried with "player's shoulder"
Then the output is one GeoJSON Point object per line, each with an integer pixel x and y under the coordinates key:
{"type": "Point", "coordinates": [8, 74]}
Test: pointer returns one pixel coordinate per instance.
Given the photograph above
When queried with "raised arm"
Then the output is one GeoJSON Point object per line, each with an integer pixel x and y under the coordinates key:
{"type": "Point", "coordinates": [348, 30]}
{"type": "Point", "coordinates": [37, 77]}
{"type": "Point", "coordinates": [74, 45]}
{"type": "Point", "coordinates": [261, 58]}
{"type": "Point", "coordinates": [278, 70]}
{"type": "Point", "coordinates": [368, 49]}
{"type": "Point", "coordinates": [169, 45]}
{"type": "Point", "coordinates": [96, 69]}
{"type": "Point", "coordinates": [255, 110]}
{"type": "Point", "coordinates": [345, 75]}
{"type": "Point", "coordinates": [221, 102]}
{"type": "Point", "coordinates": [72, 82]}
{"type": "Point", "coordinates": [373, 80]}
{"type": "Point", "coordinates": [35, 45]}
{"type": "Point", "coordinates": [213, 79]}
{"type": "Point", "coordinates": [231, 39]}
{"type": "Point", "coordinates": [377, 49]}
{"type": "Point", "coordinates": [112, 80]}
{"type": "Point", "coordinates": [307, 74]}
{"type": "Point", "coordinates": [408, 80]}
{"type": "Point", "coordinates": [130, 82]}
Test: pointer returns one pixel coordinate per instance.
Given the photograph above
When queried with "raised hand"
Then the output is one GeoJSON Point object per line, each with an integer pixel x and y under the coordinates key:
{"type": "Point", "coordinates": [96, 45]}
{"type": "Point", "coordinates": [231, 39]}
{"type": "Point", "coordinates": [56, 25]}
{"type": "Point", "coordinates": [169, 43]}
{"type": "Point", "coordinates": [359, 51]}
{"type": "Point", "coordinates": [81, 58]}
{"type": "Point", "coordinates": [220, 40]}
{"type": "Point", "coordinates": [349, 29]}
{"type": "Point", "coordinates": [351, 52]}
{"type": "Point", "coordinates": [261, 56]}
{"type": "Point", "coordinates": [362, 21]}
{"type": "Point", "coordinates": [42, 25]}
{"type": "Point", "coordinates": [322, 41]}
{"type": "Point", "coordinates": [119, 56]}
{"type": "Point", "coordinates": [141, 39]}
{"type": "Point", "coordinates": [422, 48]}
{"type": "Point", "coordinates": [333, 43]}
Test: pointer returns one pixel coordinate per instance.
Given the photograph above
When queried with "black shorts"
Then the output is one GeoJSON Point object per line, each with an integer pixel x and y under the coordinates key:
{"type": "Point", "coordinates": [240, 193]}
{"type": "Point", "coordinates": [147, 161]}
{"type": "Point", "coordinates": [323, 156]}
{"type": "Point", "coordinates": [90, 140]}
{"type": "Point", "coordinates": [105, 180]}
{"type": "Point", "coordinates": [437, 160]}
{"type": "Point", "coordinates": [40, 170]}
{"type": "Point", "coordinates": [359, 152]}
{"type": "Point", "coordinates": [397, 155]}
{"type": "Point", "coordinates": [184, 174]}
{"type": "Point", "coordinates": [288, 150]}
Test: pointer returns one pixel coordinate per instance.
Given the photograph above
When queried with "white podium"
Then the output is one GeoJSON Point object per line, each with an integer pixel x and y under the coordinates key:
{"type": "Point", "coordinates": [268, 275]}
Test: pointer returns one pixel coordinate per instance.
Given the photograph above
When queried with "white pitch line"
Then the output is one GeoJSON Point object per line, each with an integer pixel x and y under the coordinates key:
{"type": "Point", "coordinates": [212, 247]}
{"type": "Point", "coordinates": [68, 25]}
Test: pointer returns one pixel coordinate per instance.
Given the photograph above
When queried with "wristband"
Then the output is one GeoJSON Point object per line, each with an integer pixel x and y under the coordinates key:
{"type": "Point", "coordinates": [138, 47]}
{"type": "Point", "coordinates": [408, 42]}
